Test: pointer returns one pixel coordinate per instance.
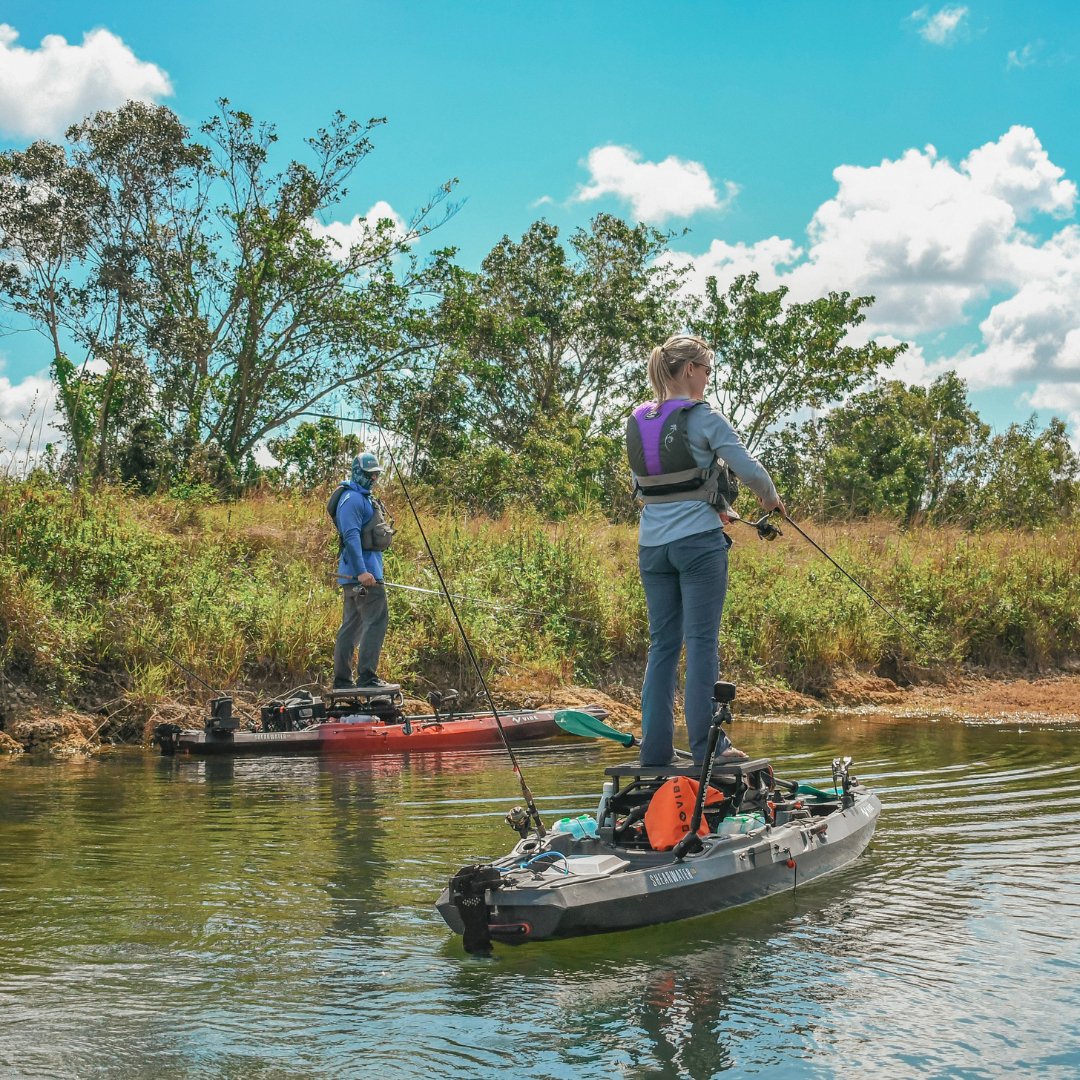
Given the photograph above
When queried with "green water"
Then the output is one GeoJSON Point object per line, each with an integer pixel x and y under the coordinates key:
{"type": "Point", "coordinates": [273, 918]}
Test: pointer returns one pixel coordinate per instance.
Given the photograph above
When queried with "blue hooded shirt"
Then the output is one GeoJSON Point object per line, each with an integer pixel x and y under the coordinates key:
{"type": "Point", "coordinates": [354, 511]}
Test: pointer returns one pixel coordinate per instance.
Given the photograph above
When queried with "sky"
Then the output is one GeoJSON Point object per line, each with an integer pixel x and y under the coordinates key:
{"type": "Point", "coordinates": [926, 155]}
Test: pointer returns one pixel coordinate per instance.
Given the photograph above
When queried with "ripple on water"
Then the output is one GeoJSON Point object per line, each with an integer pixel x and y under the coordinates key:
{"type": "Point", "coordinates": [274, 918]}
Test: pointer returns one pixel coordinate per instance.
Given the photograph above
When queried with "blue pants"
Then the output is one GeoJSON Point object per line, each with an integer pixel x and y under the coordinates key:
{"type": "Point", "coordinates": [685, 582]}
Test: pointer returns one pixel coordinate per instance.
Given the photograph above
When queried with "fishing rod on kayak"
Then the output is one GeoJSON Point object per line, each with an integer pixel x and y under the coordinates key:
{"type": "Point", "coordinates": [768, 530]}
{"type": "Point", "coordinates": [526, 794]}
{"type": "Point", "coordinates": [172, 659]}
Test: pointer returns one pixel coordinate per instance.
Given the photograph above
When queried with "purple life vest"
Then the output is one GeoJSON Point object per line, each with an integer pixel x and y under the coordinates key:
{"type": "Point", "coordinates": [663, 462]}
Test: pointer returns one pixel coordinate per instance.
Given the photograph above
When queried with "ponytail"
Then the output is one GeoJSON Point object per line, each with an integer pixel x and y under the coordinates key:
{"type": "Point", "coordinates": [667, 361]}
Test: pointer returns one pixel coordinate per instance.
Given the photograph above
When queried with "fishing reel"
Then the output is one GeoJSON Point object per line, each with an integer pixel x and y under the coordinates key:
{"type": "Point", "coordinates": [763, 526]}
{"type": "Point", "coordinates": [518, 820]}
{"type": "Point", "coordinates": [766, 529]}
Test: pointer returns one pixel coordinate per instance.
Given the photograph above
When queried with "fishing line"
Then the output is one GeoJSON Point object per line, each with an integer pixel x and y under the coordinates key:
{"type": "Point", "coordinates": [527, 795]}
{"type": "Point", "coordinates": [486, 603]}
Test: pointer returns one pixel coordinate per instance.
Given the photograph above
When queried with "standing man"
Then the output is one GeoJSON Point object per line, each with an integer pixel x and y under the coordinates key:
{"type": "Point", "coordinates": [365, 534]}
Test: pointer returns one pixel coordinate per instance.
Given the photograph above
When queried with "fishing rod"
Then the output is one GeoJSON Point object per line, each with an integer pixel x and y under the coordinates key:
{"type": "Point", "coordinates": [768, 530]}
{"type": "Point", "coordinates": [486, 603]}
{"type": "Point", "coordinates": [526, 794]}
{"type": "Point", "coordinates": [168, 656]}
{"type": "Point", "coordinates": [217, 709]}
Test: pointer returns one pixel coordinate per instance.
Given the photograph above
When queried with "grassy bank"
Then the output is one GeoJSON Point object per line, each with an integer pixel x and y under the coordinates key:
{"type": "Point", "coordinates": [94, 589]}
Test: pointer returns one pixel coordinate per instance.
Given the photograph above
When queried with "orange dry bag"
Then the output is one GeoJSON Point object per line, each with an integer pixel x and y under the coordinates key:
{"type": "Point", "coordinates": [667, 820]}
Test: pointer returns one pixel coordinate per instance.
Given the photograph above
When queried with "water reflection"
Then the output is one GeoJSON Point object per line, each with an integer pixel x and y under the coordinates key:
{"type": "Point", "coordinates": [273, 917]}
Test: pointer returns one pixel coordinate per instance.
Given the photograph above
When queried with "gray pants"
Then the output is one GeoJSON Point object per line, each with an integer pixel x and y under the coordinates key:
{"type": "Point", "coordinates": [363, 627]}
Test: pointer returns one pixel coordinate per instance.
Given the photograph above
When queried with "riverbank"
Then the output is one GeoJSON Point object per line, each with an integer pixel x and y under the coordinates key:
{"type": "Point", "coordinates": [1038, 700]}
{"type": "Point", "coordinates": [117, 612]}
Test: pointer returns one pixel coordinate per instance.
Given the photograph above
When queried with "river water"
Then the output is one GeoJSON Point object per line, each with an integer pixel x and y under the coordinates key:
{"type": "Point", "coordinates": [273, 918]}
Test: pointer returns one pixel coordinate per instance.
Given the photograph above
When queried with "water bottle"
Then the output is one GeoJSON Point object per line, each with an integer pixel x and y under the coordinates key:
{"type": "Point", "coordinates": [586, 826]}
{"type": "Point", "coordinates": [601, 810]}
{"type": "Point", "coordinates": [740, 823]}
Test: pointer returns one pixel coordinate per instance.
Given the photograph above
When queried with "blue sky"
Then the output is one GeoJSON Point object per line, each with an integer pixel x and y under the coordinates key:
{"type": "Point", "coordinates": [926, 154]}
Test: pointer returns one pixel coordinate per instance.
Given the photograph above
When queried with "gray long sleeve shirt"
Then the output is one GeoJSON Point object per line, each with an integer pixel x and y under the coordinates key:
{"type": "Point", "coordinates": [710, 436]}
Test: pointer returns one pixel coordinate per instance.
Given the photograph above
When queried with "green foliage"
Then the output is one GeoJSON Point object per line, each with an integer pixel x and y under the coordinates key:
{"type": "Point", "coordinates": [544, 331]}
{"type": "Point", "coordinates": [191, 267]}
{"type": "Point", "coordinates": [559, 471]}
{"type": "Point", "coordinates": [922, 453]}
{"type": "Point", "coordinates": [774, 358]}
{"type": "Point", "coordinates": [539, 354]}
{"type": "Point", "coordinates": [1032, 477]}
{"type": "Point", "coordinates": [100, 593]}
{"type": "Point", "coordinates": [313, 455]}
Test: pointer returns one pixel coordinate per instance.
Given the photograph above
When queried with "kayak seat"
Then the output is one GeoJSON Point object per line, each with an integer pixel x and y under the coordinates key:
{"type": "Point", "coordinates": [635, 786]}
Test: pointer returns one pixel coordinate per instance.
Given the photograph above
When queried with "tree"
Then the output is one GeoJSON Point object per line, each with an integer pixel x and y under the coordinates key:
{"type": "Point", "coordinates": [893, 449]}
{"type": "Point", "coordinates": [200, 263]}
{"type": "Point", "coordinates": [775, 358]}
{"type": "Point", "coordinates": [546, 332]}
{"type": "Point", "coordinates": [314, 454]}
{"type": "Point", "coordinates": [1030, 477]}
{"type": "Point", "coordinates": [46, 209]}
{"type": "Point", "coordinates": [283, 319]}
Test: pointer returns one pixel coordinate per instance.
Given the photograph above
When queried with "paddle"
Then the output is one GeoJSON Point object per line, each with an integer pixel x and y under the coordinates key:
{"type": "Point", "coordinates": [576, 722]}
{"type": "Point", "coordinates": [809, 789]}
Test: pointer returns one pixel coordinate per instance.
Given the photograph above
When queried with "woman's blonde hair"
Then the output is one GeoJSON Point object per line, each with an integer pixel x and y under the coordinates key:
{"type": "Point", "coordinates": [667, 361]}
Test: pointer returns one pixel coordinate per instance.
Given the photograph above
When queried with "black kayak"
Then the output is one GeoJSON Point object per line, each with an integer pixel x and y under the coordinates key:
{"type": "Point", "coordinates": [765, 836]}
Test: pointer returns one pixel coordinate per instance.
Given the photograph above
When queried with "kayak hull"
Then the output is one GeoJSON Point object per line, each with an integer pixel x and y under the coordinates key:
{"type": "Point", "coordinates": [471, 731]}
{"type": "Point", "coordinates": [609, 888]}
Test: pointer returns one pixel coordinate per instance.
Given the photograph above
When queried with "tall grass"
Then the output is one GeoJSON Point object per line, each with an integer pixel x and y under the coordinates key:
{"type": "Point", "coordinates": [101, 593]}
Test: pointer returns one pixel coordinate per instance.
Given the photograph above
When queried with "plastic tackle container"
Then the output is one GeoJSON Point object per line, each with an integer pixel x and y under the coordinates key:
{"type": "Point", "coordinates": [740, 823]}
{"type": "Point", "coordinates": [578, 827]}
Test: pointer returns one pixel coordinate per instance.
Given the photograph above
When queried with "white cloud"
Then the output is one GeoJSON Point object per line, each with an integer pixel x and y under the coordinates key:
{"type": "Point", "coordinates": [1062, 399]}
{"type": "Point", "coordinates": [1017, 170]}
{"type": "Point", "coordinates": [726, 261]}
{"type": "Point", "coordinates": [928, 238]}
{"type": "Point", "coordinates": [656, 190]}
{"type": "Point", "coordinates": [28, 419]}
{"type": "Point", "coordinates": [1035, 333]}
{"type": "Point", "coordinates": [941, 245]}
{"type": "Point", "coordinates": [44, 90]}
{"type": "Point", "coordinates": [941, 28]}
{"type": "Point", "coordinates": [342, 235]}
{"type": "Point", "coordinates": [1022, 58]}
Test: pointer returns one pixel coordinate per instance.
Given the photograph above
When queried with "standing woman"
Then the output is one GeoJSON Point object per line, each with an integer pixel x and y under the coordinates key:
{"type": "Point", "coordinates": [674, 444]}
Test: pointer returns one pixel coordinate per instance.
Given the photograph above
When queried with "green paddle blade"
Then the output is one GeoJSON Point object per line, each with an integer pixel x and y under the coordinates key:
{"type": "Point", "coordinates": [809, 789]}
{"type": "Point", "coordinates": [576, 722]}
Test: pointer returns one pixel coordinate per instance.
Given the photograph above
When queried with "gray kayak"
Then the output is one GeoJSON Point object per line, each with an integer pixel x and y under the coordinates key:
{"type": "Point", "coordinates": [767, 836]}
